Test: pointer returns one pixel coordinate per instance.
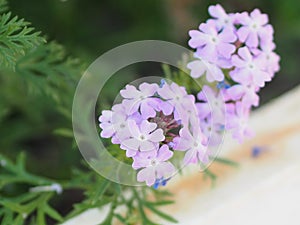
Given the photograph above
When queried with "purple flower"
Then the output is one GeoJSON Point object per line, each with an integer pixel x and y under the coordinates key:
{"type": "Point", "coordinates": [193, 145]}
{"type": "Point", "coordinates": [212, 45]}
{"type": "Point", "coordinates": [177, 101]}
{"type": "Point", "coordinates": [212, 104]}
{"type": "Point", "coordinates": [141, 99]}
{"type": "Point", "coordinates": [246, 94]}
{"type": "Point", "coordinates": [154, 165]}
{"type": "Point", "coordinates": [248, 69]}
{"type": "Point", "coordinates": [254, 28]}
{"type": "Point", "coordinates": [270, 58]}
{"type": "Point", "coordinates": [144, 137]}
{"type": "Point", "coordinates": [200, 67]}
{"type": "Point", "coordinates": [221, 18]}
{"type": "Point", "coordinates": [213, 131]}
{"type": "Point", "coordinates": [237, 122]}
{"type": "Point", "coordinates": [114, 124]}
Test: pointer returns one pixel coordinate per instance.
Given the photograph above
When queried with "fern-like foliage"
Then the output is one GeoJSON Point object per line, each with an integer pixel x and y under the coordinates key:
{"type": "Point", "coordinates": [16, 38]}
{"type": "Point", "coordinates": [32, 205]}
{"type": "Point", "coordinates": [50, 70]}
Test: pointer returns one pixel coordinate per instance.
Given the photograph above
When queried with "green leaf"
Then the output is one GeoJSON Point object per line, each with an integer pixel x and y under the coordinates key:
{"type": "Point", "coordinates": [120, 218]}
{"type": "Point", "coordinates": [65, 132]}
{"type": "Point", "coordinates": [226, 161]}
{"type": "Point", "coordinates": [53, 213]}
{"type": "Point", "coordinates": [41, 217]}
{"type": "Point", "coordinates": [210, 175]}
{"type": "Point", "coordinates": [101, 190]}
{"type": "Point", "coordinates": [160, 213]}
{"type": "Point", "coordinates": [19, 220]}
{"type": "Point", "coordinates": [49, 70]}
{"type": "Point", "coordinates": [7, 218]}
{"type": "Point", "coordinates": [21, 162]}
{"type": "Point", "coordinates": [16, 38]}
{"type": "Point", "coordinates": [161, 203]}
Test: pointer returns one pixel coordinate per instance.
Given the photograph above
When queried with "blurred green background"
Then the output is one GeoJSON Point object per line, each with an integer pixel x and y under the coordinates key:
{"type": "Point", "coordinates": [88, 28]}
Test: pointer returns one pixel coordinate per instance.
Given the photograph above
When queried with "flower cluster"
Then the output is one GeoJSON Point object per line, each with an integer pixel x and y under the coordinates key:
{"type": "Point", "coordinates": [153, 123]}
{"type": "Point", "coordinates": [236, 54]}
{"type": "Point", "coordinates": [150, 124]}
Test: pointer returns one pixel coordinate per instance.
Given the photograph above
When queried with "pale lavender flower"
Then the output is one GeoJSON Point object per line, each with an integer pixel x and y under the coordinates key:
{"type": "Point", "coordinates": [248, 69]}
{"type": "Point", "coordinates": [212, 104]}
{"type": "Point", "coordinates": [221, 18]}
{"type": "Point", "coordinates": [211, 70]}
{"type": "Point", "coordinates": [144, 137]}
{"type": "Point", "coordinates": [212, 45]}
{"type": "Point", "coordinates": [114, 124]}
{"type": "Point", "coordinates": [270, 58]}
{"type": "Point", "coordinates": [177, 101]}
{"type": "Point", "coordinates": [141, 99]}
{"type": "Point", "coordinates": [213, 131]}
{"type": "Point", "coordinates": [155, 165]}
{"type": "Point", "coordinates": [193, 144]}
{"type": "Point", "coordinates": [254, 28]}
{"type": "Point", "coordinates": [237, 122]}
{"type": "Point", "coordinates": [246, 94]}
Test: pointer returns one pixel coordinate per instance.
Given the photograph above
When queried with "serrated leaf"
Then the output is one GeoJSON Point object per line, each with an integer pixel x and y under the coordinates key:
{"type": "Point", "coordinates": [16, 38]}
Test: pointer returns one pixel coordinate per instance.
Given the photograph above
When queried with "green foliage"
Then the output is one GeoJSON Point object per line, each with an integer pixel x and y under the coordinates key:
{"type": "Point", "coordinates": [3, 6]}
{"type": "Point", "coordinates": [16, 209]}
{"type": "Point", "coordinates": [46, 71]}
{"type": "Point", "coordinates": [15, 39]}
{"type": "Point", "coordinates": [37, 83]}
{"type": "Point", "coordinates": [49, 69]}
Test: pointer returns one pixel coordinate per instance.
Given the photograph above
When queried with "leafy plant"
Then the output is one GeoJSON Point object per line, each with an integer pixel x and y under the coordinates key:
{"type": "Point", "coordinates": [47, 70]}
{"type": "Point", "coordinates": [16, 37]}
{"type": "Point", "coordinates": [48, 75]}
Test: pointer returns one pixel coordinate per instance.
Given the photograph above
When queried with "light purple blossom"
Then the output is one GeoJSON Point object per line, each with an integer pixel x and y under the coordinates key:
{"type": "Point", "coordinates": [246, 94]}
{"type": "Point", "coordinates": [194, 146]}
{"type": "Point", "coordinates": [211, 70]}
{"type": "Point", "coordinates": [235, 53]}
{"type": "Point", "coordinates": [212, 45]}
{"type": "Point", "coordinates": [248, 69]}
{"type": "Point", "coordinates": [155, 165]}
{"type": "Point", "coordinates": [254, 28]}
{"type": "Point", "coordinates": [177, 101]}
{"type": "Point", "coordinates": [141, 99]}
{"type": "Point", "coordinates": [212, 104]}
{"type": "Point", "coordinates": [144, 137]}
{"type": "Point", "coordinates": [114, 124]}
{"type": "Point", "coordinates": [270, 58]}
{"type": "Point", "coordinates": [221, 18]}
{"type": "Point", "coordinates": [213, 131]}
{"type": "Point", "coordinates": [237, 122]}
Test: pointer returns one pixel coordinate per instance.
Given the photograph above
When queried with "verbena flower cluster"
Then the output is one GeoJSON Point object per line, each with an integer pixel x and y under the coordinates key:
{"type": "Point", "coordinates": [235, 54]}
{"type": "Point", "coordinates": [150, 124]}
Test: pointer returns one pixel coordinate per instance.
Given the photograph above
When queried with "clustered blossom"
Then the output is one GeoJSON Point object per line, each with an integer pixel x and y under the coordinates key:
{"type": "Point", "coordinates": [235, 52]}
{"type": "Point", "coordinates": [151, 124]}
{"type": "Point", "coordinates": [234, 58]}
